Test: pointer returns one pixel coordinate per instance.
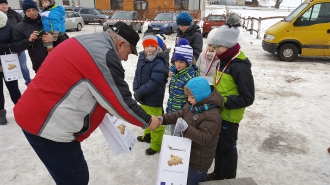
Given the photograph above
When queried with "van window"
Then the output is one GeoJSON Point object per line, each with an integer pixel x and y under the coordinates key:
{"type": "Point", "coordinates": [294, 14]}
{"type": "Point", "coordinates": [319, 13]}
{"type": "Point", "coordinates": [324, 14]}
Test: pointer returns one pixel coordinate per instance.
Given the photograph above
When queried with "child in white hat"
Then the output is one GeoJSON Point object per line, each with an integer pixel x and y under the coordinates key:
{"type": "Point", "coordinates": [234, 81]}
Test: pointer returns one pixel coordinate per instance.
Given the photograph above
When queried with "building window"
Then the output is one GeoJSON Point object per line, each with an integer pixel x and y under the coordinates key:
{"type": "Point", "coordinates": [66, 2]}
{"type": "Point", "coordinates": [181, 4]}
{"type": "Point", "coordinates": [116, 4]}
{"type": "Point", "coordinates": [140, 5]}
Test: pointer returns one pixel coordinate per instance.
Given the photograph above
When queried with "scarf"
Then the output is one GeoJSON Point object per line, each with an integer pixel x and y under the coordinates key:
{"type": "Point", "coordinates": [227, 55]}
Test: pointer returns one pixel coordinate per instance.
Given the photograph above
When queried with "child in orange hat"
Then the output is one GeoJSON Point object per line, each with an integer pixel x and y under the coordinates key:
{"type": "Point", "coordinates": [149, 88]}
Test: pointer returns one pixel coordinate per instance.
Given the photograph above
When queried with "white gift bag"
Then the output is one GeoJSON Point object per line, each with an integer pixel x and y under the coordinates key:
{"type": "Point", "coordinates": [118, 135]}
{"type": "Point", "coordinates": [11, 67]}
{"type": "Point", "coordinates": [174, 159]}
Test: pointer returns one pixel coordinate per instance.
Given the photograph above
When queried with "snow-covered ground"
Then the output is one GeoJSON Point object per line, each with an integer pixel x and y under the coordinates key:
{"type": "Point", "coordinates": [283, 137]}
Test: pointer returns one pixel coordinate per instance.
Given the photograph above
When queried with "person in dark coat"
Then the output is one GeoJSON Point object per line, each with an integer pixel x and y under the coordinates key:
{"type": "Point", "coordinates": [190, 31]}
{"type": "Point", "coordinates": [14, 18]}
{"type": "Point", "coordinates": [26, 35]}
{"type": "Point", "coordinates": [6, 31]}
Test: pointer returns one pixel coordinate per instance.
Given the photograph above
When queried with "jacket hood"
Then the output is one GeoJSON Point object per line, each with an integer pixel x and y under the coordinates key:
{"type": "Point", "coordinates": [52, 3]}
{"type": "Point", "coordinates": [215, 98]}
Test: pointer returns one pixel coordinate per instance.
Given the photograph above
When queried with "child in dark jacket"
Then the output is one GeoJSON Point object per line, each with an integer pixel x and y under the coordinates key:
{"type": "Point", "coordinates": [149, 88]}
{"type": "Point", "coordinates": [184, 71]}
{"type": "Point", "coordinates": [53, 20]}
{"type": "Point", "coordinates": [234, 81]}
{"type": "Point", "coordinates": [199, 120]}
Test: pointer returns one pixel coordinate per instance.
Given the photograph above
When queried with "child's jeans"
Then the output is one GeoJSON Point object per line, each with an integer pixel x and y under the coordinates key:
{"type": "Point", "coordinates": [196, 176]}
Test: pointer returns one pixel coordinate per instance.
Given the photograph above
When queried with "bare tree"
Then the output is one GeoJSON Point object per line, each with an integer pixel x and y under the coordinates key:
{"type": "Point", "coordinates": [278, 3]}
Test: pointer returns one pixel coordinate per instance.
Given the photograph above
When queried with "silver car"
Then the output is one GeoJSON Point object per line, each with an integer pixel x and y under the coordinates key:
{"type": "Point", "coordinates": [131, 18]}
{"type": "Point", "coordinates": [74, 21]}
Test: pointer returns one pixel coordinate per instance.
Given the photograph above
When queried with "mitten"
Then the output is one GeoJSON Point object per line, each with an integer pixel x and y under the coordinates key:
{"type": "Point", "coordinates": [181, 125]}
{"type": "Point", "coordinates": [137, 97]}
{"type": "Point", "coordinates": [161, 118]}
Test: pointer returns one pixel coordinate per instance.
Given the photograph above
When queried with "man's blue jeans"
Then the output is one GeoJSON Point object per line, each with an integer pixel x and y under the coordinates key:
{"type": "Point", "coordinates": [65, 161]}
{"type": "Point", "coordinates": [24, 68]}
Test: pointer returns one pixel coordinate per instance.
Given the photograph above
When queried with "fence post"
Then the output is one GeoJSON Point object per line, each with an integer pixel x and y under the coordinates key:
{"type": "Point", "coordinates": [259, 28]}
{"type": "Point", "coordinates": [247, 24]}
{"type": "Point", "coordinates": [243, 22]}
{"type": "Point", "coordinates": [251, 30]}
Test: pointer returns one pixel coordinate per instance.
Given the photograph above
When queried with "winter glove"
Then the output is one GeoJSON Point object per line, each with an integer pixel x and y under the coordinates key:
{"type": "Point", "coordinates": [181, 125]}
{"type": "Point", "coordinates": [161, 118]}
{"type": "Point", "coordinates": [138, 97]}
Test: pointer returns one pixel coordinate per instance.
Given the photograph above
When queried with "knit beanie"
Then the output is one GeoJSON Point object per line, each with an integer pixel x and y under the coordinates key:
{"type": "Point", "coordinates": [184, 19]}
{"type": "Point", "coordinates": [160, 38]}
{"type": "Point", "coordinates": [27, 4]}
{"type": "Point", "coordinates": [3, 19]}
{"type": "Point", "coordinates": [227, 35]}
{"type": "Point", "coordinates": [199, 87]}
{"type": "Point", "coordinates": [3, 1]}
{"type": "Point", "coordinates": [149, 40]}
{"type": "Point", "coordinates": [183, 51]}
{"type": "Point", "coordinates": [210, 35]}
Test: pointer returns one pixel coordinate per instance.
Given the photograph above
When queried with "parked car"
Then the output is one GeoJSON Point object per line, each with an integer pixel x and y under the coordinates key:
{"type": "Point", "coordinates": [92, 15]}
{"type": "Point", "coordinates": [67, 8]}
{"type": "Point", "coordinates": [132, 18]}
{"type": "Point", "coordinates": [20, 11]}
{"type": "Point", "coordinates": [164, 23]}
{"type": "Point", "coordinates": [212, 21]}
{"type": "Point", "coordinates": [73, 21]}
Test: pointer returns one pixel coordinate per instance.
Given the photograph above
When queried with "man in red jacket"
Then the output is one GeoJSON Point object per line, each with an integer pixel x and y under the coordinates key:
{"type": "Point", "coordinates": [78, 83]}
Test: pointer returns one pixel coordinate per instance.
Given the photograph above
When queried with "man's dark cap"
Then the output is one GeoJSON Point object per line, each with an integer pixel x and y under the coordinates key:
{"type": "Point", "coordinates": [128, 33]}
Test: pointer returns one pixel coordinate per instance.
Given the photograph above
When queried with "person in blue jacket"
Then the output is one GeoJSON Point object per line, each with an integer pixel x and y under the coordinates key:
{"type": "Point", "coordinates": [53, 20]}
{"type": "Point", "coordinates": [149, 88]}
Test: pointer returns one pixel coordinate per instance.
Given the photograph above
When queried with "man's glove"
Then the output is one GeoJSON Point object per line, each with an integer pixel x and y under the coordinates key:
{"type": "Point", "coordinates": [181, 125]}
{"type": "Point", "coordinates": [137, 97]}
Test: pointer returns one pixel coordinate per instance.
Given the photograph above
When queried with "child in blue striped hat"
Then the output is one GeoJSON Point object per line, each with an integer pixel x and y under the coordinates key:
{"type": "Point", "coordinates": [184, 71]}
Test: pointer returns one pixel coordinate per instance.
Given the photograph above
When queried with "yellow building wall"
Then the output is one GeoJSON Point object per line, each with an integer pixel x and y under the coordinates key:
{"type": "Point", "coordinates": [103, 4]}
{"type": "Point", "coordinates": [128, 4]}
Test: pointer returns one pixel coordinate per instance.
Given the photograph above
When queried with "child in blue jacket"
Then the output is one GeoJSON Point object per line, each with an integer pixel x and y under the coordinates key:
{"type": "Point", "coordinates": [53, 20]}
{"type": "Point", "coordinates": [149, 88]}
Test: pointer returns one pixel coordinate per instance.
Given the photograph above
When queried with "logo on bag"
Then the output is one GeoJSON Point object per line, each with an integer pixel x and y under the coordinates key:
{"type": "Point", "coordinates": [178, 149]}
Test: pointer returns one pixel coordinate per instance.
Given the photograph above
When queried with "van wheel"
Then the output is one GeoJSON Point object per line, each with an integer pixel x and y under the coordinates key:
{"type": "Point", "coordinates": [287, 52]}
{"type": "Point", "coordinates": [86, 22]}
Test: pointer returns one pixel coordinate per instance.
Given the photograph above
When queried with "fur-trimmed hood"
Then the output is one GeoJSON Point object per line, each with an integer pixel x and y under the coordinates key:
{"type": "Point", "coordinates": [52, 3]}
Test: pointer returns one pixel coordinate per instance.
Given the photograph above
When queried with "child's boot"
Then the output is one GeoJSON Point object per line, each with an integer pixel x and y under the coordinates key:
{"type": "Point", "coordinates": [150, 151]}
{"type": "Point", "coordinates": [146, 138]}
{"type": "Point", "coordinates": [3, 119]}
